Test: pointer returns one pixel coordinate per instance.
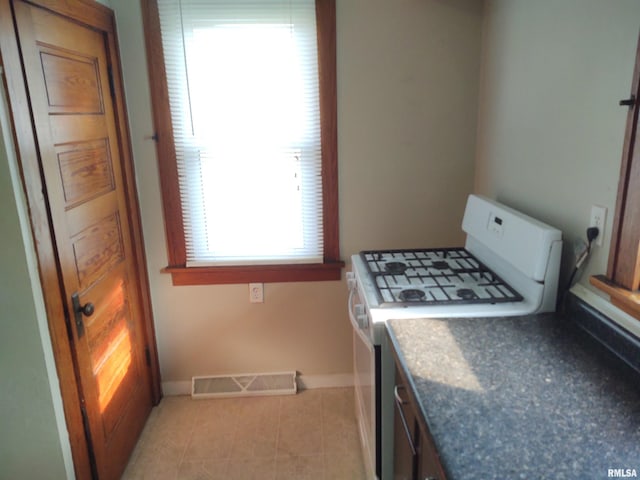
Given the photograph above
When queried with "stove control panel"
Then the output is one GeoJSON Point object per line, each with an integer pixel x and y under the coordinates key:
{"type": "Point", "coordinates": [520, 240]}
{"type": "Point", "coordinates": [495, 225]}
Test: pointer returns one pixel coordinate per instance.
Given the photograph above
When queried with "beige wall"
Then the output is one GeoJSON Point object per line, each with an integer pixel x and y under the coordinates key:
{"type": "Point", "coordinates": [550, 129]}
{"type": "Point", "coordinates": [34, 442]}
{"type": "Point", "coordinates": [407, 90]}
{"type": "Point", "coordinates": [407, 85]}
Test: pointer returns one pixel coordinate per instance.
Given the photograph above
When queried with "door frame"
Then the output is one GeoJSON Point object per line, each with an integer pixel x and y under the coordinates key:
{"type": "Point", "coordinates": [98, 17]}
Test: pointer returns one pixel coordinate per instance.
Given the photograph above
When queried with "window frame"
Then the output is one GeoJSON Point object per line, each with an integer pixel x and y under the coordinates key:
{"type": "Point", "coordinates": [331, 267]}
{"type": "Point", "coordinates": [622, 281]}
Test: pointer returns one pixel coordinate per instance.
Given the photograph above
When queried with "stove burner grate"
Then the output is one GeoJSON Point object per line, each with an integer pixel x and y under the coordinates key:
{"type": "Point", "coordinates": [434, 277]}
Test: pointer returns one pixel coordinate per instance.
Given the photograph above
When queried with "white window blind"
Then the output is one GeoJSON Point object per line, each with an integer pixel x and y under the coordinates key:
{"type": "Point", "coordinates": [244, 99]}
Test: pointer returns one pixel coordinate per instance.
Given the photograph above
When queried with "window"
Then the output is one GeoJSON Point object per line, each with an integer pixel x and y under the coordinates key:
{"type": "Point", "coordinates": [622, 281]}
{"type": "Point", "coordinates": [244, 103]}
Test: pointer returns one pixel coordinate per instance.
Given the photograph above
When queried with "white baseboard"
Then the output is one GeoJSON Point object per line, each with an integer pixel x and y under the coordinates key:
{"type": "Point", "coordinates": [170, 389]}
{"type": "Point", "coordinates": [305, 382]}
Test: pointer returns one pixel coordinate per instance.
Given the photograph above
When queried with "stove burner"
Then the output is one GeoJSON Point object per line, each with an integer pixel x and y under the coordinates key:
{"type": "Point", "coordinates": [412, 295]}
{"type": "Point", "coordinates": [395, 268]}
{"type": "Point", "coordinates": [440, 265]}
{"type": "Point", "coordinates": [466, 293]}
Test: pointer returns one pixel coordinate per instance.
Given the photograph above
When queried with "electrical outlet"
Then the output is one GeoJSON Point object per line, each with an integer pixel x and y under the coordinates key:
{"type": "Point", "coordinates": [598, 218]}
{"type": "Point", "coordinates": [256, 292]}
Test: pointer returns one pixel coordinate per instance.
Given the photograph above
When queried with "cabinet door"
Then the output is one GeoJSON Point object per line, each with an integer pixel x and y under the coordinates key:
{"type": "Point", "coordinates": [429, 467]}
{"type": "Point", "coordinates": [404, 426]}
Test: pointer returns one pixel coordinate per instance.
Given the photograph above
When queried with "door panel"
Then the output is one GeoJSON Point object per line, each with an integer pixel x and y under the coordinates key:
{"type": "Point", "coordinates": [67, 75]}
{"type": "Point", "coordinates": [85, 171]}
{"type": "Point", "coordinates": [71, 82]}
{"type": "Point", "coordinates": [97, 250]}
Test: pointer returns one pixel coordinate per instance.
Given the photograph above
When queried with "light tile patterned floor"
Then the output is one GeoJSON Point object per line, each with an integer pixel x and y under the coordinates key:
{"type": "Point", "coordinates": [308, 436]}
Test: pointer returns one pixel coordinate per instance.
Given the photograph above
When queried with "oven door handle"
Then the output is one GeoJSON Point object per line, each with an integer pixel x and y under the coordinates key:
{"type": "Point", "coordinates": [405, 426]}
{"type": "Point", "coordinates": [354, 322]}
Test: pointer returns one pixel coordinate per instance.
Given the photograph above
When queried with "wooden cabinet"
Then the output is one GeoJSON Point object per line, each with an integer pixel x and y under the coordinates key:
{"type": "Point", "coordinates": [429, 467]}
{"type": "Point", "coordinates": [405, 455]}
{"type": "Point", "coordinates": [415, 456]}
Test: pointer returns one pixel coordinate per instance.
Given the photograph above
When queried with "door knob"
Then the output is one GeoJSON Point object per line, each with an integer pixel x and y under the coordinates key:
{"type": "Point", "coordinates": [79, 310]}
{"type": "Point", "coordinates": [629, 102]}
{"type": "Point", "coordinates": [87, 309]}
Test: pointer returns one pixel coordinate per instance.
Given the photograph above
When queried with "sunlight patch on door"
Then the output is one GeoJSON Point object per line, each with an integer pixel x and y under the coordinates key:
{"type": "Point", "coordinates": [111, 343]}
{"type": "Point", "coordinates": [115, 367]}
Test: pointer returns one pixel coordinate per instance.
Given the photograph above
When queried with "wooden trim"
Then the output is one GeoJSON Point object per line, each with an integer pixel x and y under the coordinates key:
{"type": "Point", "coordinates": [47, 262]}
{"type": "Point", "coordinates": [256, 273]}
{"type": "Point", "coordinates": [165, 147]}
{"type": "Point", "coordinates": [622, 298]}
{"type": "Point", "coordinates": [624, 259]}
{"type": "Point", "coordinates": [326, 27]}
{"type": "Point", "coordinates": [88, 12]}
{"type": "Point", "coordinates": [623, 271]}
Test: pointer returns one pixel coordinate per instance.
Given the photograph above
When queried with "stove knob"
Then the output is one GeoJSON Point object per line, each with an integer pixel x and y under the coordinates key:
{"type": "Point", "coordinates": [358, 309]}
{"type": "Point", "coordinates": [363, 321]}
{"type": "Point", "coordinates": [351, 280]}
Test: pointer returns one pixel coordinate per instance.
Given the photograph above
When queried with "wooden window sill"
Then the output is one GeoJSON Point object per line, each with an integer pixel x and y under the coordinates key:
{"type": "Point", "coordinates": [626, 300]}
{"type": "Point", "coordinates": [256, 274]}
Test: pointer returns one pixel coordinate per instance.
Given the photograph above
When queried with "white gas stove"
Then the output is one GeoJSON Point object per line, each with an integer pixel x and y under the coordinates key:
{"type": "Point", "coordinates": [508, 266]}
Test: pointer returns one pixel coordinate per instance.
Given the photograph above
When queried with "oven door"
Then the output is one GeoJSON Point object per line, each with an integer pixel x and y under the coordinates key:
{"type": "Point", "coordinates": [364, 372]}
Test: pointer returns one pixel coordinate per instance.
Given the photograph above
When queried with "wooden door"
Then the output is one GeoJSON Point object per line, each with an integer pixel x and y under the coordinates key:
{"type": "Point", "coordinates": [67, 71]}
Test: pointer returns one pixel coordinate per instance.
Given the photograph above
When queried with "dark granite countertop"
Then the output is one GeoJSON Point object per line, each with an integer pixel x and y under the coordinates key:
{"type": "Point", "coordinates": [523, 397]}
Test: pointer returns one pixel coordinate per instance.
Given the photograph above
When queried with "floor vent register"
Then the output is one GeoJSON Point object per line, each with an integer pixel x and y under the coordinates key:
{"type": "Point", "coordinates": [242, 385]}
